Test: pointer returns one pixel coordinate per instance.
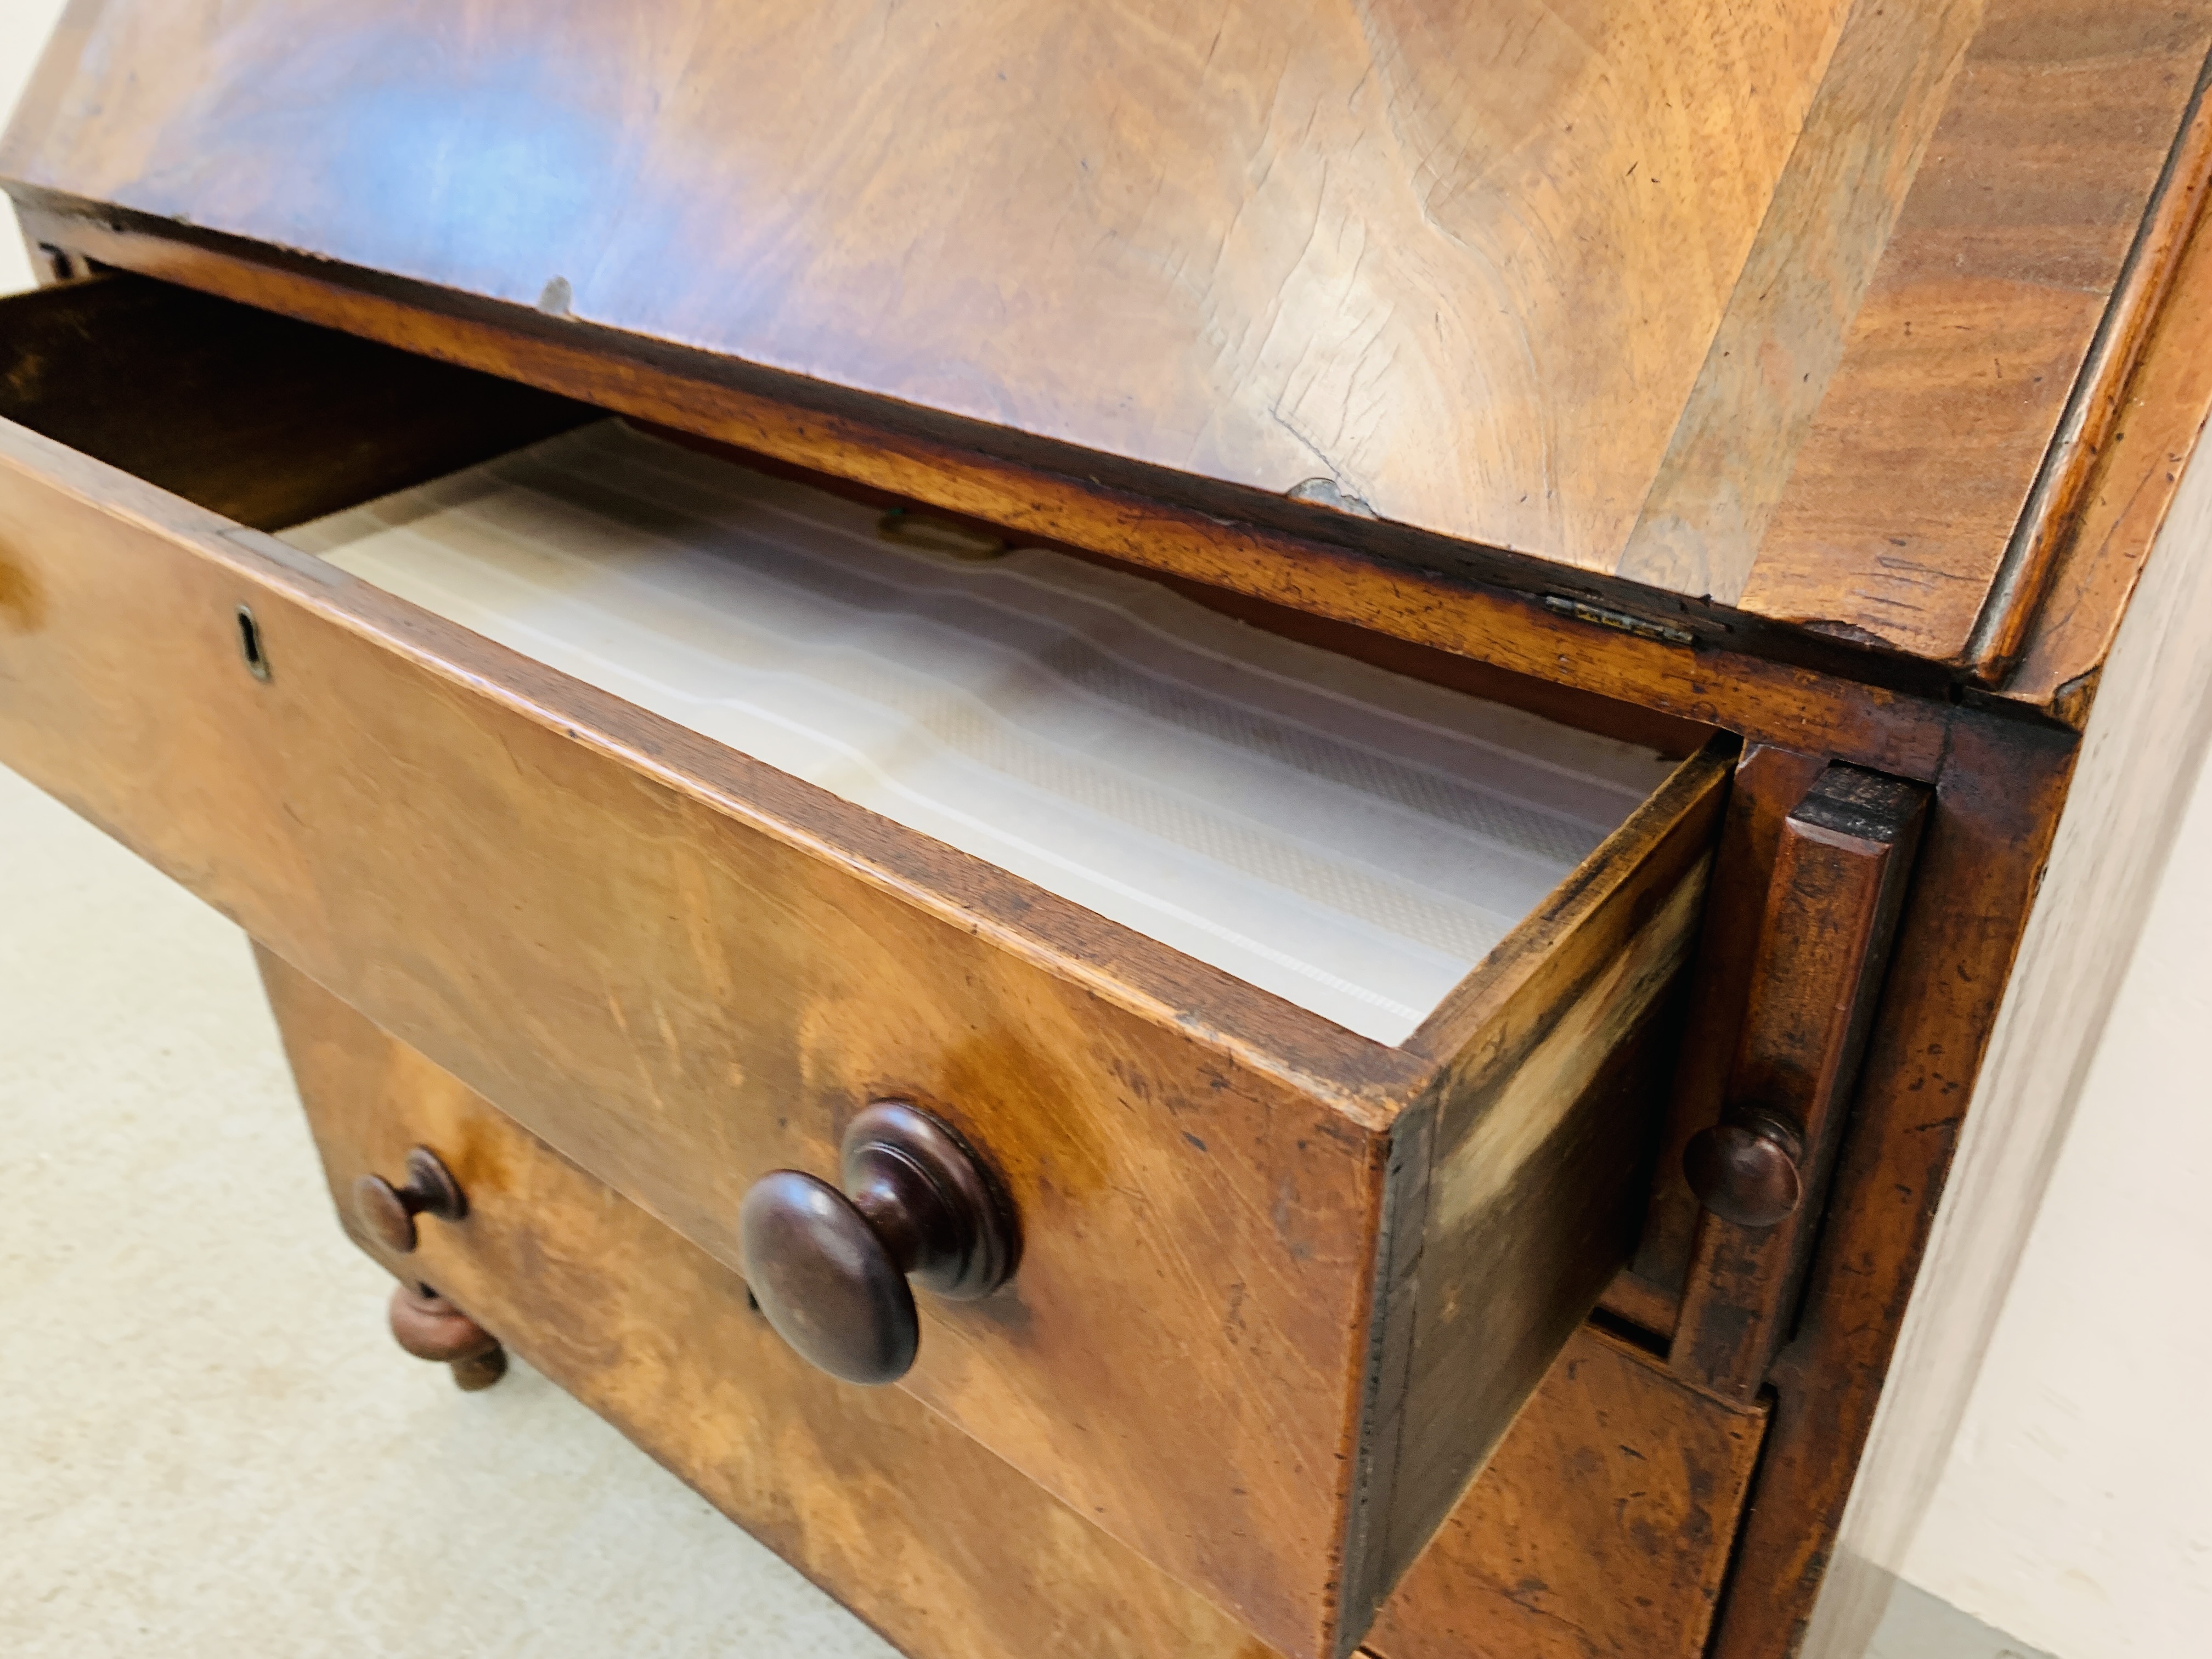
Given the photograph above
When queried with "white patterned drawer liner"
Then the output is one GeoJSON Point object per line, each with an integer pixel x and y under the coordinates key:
{"type": "Point", "coordinates": [1349, 839]}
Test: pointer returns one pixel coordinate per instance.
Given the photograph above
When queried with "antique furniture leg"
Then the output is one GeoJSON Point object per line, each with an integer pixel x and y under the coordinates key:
{"type": "Point", "coordinates": [430, 1327]}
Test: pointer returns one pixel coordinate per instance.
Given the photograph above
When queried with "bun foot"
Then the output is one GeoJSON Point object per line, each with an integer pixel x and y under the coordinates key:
{"type": "Point", "coordinates": [430, 1327]}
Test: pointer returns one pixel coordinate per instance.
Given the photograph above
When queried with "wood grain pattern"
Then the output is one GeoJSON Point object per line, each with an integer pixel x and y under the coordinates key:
{"type": "Point", "coordinates": [2009, 615]}
{"type": "Point", "coordinates": [1812, 696]}
{"type": "Point", "coordinates": [1600, 1531]}
{"type": "Point", "coordinates": [1550, 1063]}
{"type": "Point", "coordinates": [1735, 450]}
{"type": "Point", "coordinates": [2138, 472]}
{"type": "Point", "coordinates": [1844, 857]}
{"type": "Point", "coordinates": [941, 1546]}
{"type": "Point", "coordinates": [1677, 293]}
{"type": "Point", "coordinates": [682, 968]}
{"type": "Point", "coordinates": [1461, 265]}
{"type": "Point", "coordinates": [1602, 1525]}
{"type": "Point", "coordinates": [1980, 857]}
{"type": "Point", "coordinates": [1957, 368]}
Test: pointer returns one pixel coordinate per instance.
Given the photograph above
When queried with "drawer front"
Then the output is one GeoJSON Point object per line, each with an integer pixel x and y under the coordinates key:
{"type": "Point", "coordinates": [1281, 1289]}
{"type": "Point", "coordinates": [1603, 1524]}
{"type": "Point", "coordinates": [940, 1546]}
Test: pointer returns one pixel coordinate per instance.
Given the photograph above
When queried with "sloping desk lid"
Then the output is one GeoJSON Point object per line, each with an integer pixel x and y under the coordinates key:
{"type": "Point", "coordinates": [1780, 306]}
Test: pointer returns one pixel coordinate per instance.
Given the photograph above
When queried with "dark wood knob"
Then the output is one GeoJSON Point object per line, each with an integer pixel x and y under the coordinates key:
{"type": "Point", "coordinates": [831, 1268]}
{"type": "Point", "coordinates": [1747, 1169]}
{"type": "Point", "coordinates": [430, 1327]}
{"type": "Point", "coordinates": [389, 1212]}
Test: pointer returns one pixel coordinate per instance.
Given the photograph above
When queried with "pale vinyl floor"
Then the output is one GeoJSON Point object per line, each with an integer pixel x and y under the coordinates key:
{"type": "Point", "coordinates": [208, 1445]}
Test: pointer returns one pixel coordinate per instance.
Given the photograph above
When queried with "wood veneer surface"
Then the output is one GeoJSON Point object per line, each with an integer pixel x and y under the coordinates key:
{"type": "Point", "coordinates": [1723, 299]}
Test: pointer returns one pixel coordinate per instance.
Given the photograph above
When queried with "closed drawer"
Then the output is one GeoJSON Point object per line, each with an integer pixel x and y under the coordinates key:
{"type": "Point", "coordinates": [1281, 1287]}
{"type": "Point", "coordinates": [932, 1540]}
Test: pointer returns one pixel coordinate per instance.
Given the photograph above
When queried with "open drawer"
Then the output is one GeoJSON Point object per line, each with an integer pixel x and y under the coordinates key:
{"type": "Point", "coordinates": [1281, 1286]}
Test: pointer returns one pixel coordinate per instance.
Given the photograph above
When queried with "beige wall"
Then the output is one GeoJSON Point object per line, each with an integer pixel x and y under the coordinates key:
{"type": "Point", "coordinates": [2076, 1508]}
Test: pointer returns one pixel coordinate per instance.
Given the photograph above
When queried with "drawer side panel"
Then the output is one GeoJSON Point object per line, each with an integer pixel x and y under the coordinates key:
{"type": "Point", "coordinates": [1546, 1110]}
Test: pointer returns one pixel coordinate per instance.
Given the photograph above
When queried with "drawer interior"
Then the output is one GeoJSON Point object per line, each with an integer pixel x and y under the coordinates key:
{"type": "Point", "coordinates": [265, 421]}
{"type": "Point", "coordinates": [1348, 838]}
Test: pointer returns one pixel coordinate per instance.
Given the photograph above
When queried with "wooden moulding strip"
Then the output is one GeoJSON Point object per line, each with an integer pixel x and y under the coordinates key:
{"type": "Point", "coordinates": [1839, 876]}
{"type": "Point", "coordinates": [2137, 474]}
{"type": "Point", "coordinates": [2054, 509]}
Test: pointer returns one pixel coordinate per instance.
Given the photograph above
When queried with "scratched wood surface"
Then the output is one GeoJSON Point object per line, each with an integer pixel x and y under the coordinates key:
{"type": "Point", "coordinates": [683, 969]}
{"type": "Point", "coordinates": [1718, 297]}
{"type": "Point", "coordinates": [1600, 1531]}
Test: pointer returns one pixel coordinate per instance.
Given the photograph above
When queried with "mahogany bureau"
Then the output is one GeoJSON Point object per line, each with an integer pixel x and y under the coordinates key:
{"type": "Point", "coordinates": [1710, 449]}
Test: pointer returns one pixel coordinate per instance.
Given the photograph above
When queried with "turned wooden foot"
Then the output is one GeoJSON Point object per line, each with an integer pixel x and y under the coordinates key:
{"type": "Point", "coordinates": [430, 1327]}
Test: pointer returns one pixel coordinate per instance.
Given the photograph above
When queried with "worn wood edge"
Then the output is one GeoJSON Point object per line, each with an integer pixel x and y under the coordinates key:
{"type": "Point", "coordinates": [1664, 846]}
{"type": "Point", "coordinates": [2099, 397]}
{"type": "Point", "coordinates": [1378, 1415]}
{"type": "Point", "coordinates": [2101, 559]}
{"type": "Point", "coordinates": [1544, 1060]}
{"type": "Point", "coordinates": [1366, 1082]}
{"type": "Point", "coordinates": [1551, 1144]}
{"type": "Point", "coordinates": [1725, 1342]}
{"type": "Point", "coordinates": [1669, 831]}
{"type": "Point", "coordinates": [2144, 747]}
{"type": "Point", "coordinates": [1794, 571]}
{"type": "Point", "coordinates": [1735, 445]}
{"type": "Point", "coordinates": [1882, 709]}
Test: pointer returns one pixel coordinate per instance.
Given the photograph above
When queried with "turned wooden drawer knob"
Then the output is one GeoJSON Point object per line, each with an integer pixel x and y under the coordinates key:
{"type": "Point", "coordinates": [831, 1268]}
{"type": "Point", "coordinates": [1747, 1170]}
{"type": "Point", "coordinates": [389, 1212]}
